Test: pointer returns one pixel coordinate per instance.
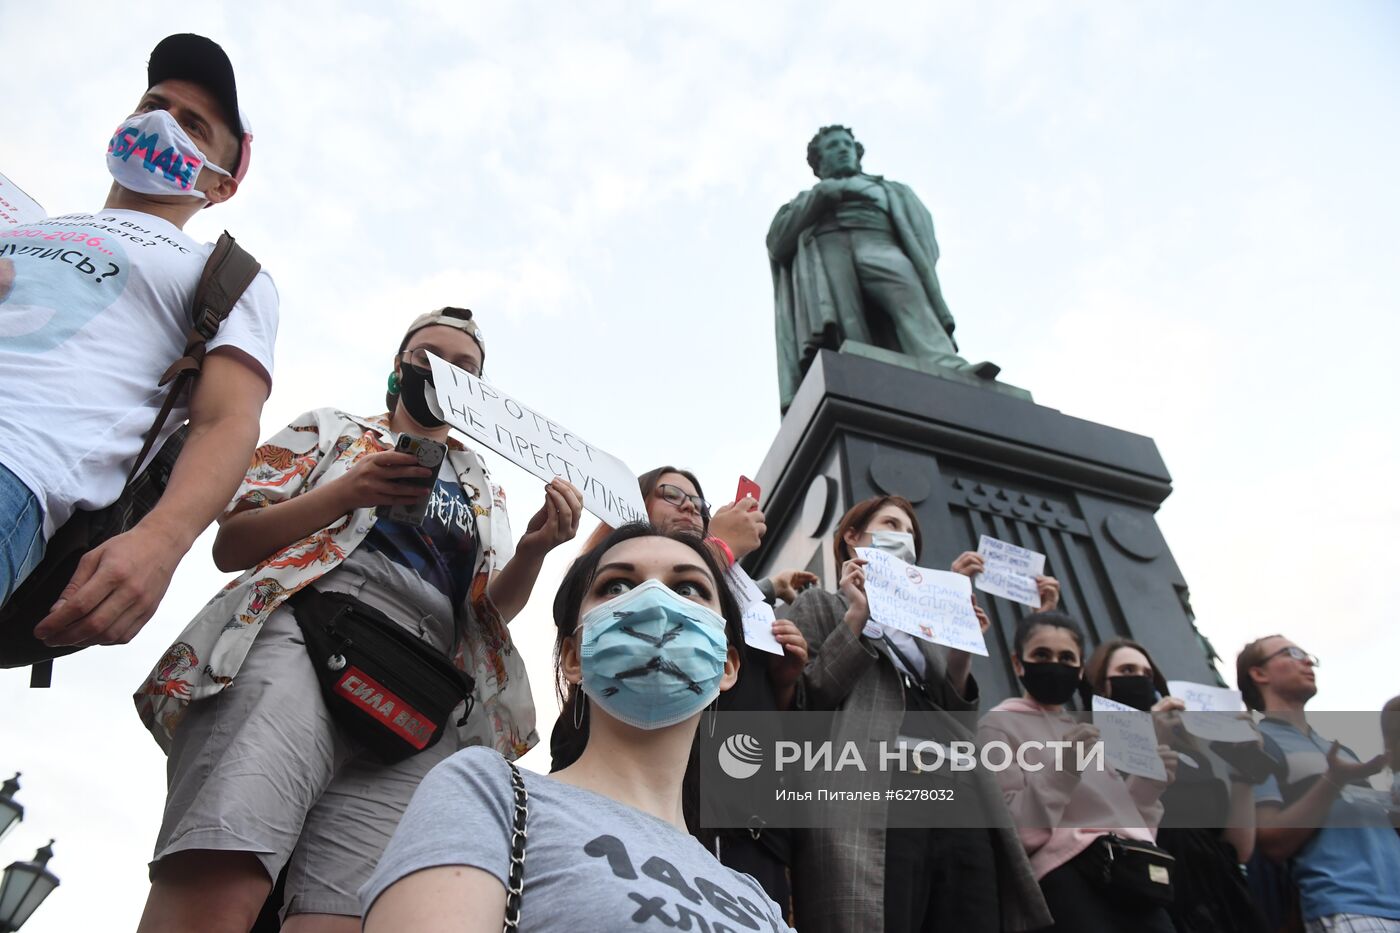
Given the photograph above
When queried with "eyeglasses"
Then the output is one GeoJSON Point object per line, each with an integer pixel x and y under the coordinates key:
{"type": "Point", "coordinates": [418, 358]}
{"type": "Point", "coordinates": [678, 497]}
{"type": "Point", "coordinates": [1294, 652]}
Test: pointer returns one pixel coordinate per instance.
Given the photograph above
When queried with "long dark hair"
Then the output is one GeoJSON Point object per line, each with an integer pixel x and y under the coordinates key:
{"type": "Point", "coordinates": [1035, 620]}
{"type": "Point", "coordinates": [574, 587]}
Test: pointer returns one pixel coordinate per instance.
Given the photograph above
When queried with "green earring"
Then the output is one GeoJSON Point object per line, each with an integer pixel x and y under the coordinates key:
{"type": "Point", "coordinates": [394, 383]}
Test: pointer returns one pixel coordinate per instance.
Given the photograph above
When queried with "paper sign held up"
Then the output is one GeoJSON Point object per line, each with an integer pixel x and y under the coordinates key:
{"type": "Point", "coordinates": [1010, 571]}
{"type": "Point", "coordinates": [16, 207]}
{"type": "Point", "coordinates": [1212, 713]}
{"type": "Point", "coordinates": [1129, 739]}
{"type": "Point", "coordinates": [935, 605]}
{"type": "Point", "coordinates": [757, 614]}
{"type": "Point", "coordinates": [536, 444]}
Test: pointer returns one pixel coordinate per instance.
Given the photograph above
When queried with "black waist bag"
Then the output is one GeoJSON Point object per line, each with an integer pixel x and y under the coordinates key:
{"type": "Point", "coordinates": [393, 692]}
{"type": "Point", "coordinates": [1132, 870]}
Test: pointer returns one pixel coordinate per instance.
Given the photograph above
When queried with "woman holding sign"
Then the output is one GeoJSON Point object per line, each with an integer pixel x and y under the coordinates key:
{"type": "Point", "coordinates": [1095, 880]}
{"type": "Point", "coordinates": [1210, 892]}
{"type": "Point", "coordinates": [365, 641]}
{"type": "Point", "coordinates": [868, 877]}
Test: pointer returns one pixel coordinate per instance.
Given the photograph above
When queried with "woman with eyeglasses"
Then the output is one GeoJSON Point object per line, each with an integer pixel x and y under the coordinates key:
{"type": "Point", "coordinates": [1063, 806]}
{"type": "Point", "coordinates": [676, 505]}
{"type": "Point", "coordinates": [602, 844]}
{"type": "Point", "coordinates": [1210, 892]}
{"type": "Point", "coordinates": [284, 751]}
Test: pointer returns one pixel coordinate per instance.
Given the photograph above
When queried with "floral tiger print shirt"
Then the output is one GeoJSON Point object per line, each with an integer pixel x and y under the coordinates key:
{"type": "Point", "coordinates": [319, 447]}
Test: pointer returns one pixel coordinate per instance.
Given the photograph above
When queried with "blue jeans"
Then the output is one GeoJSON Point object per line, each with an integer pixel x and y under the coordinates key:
{"type": "Point", "coordinates": [21, 533]}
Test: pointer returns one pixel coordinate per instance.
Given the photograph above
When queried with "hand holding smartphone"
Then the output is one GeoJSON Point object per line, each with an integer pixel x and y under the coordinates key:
{"type": "Point", "coordinates": [430, 454]}
{"type": "Point", "coordinates": [747, 487]}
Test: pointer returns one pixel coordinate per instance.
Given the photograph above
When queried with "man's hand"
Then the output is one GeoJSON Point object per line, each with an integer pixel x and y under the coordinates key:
{"type": "Point", "coordinates": [787, 583]}
{"type": "Point", "coordinates": [114, 591]}
{"type": "Point", "coordinates": [374, 481]}
{"type": "Point", "coordinates": [784, 671]}
{"type": "Point", "coordinates": [739, 525]}
{"type": "Point", "coordinates": [852, 586]}
{"type": "Point", "coordinates": [1049, 589]}
{"type": "Point", "coordinates": [1341, 772]}
{"type": "Point", "coordinates": [556, 521]}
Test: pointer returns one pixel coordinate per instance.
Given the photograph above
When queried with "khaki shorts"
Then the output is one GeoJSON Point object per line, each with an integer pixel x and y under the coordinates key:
{"type": "Point", "coordinates": [263, 768]}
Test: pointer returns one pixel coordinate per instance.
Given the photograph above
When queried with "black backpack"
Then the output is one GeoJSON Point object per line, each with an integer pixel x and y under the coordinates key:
{"type": "Point", "coordinates": [226, 276]}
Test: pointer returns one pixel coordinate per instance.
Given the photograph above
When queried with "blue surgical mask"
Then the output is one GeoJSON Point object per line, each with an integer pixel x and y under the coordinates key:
{"type": "Point", "coordinates": [651, 658]}
{"type": "Point", "coordinates": [898, 543]}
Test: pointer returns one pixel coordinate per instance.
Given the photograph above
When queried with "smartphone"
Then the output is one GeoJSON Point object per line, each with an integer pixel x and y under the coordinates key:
{"type": "Point", "coordinates": [430, 454]}
{"type": "Point", "coordinates": [747, 487]}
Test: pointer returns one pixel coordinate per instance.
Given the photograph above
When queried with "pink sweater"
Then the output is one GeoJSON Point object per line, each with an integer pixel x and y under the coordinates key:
{"type": "Point", "coordinates": [1092, 804]}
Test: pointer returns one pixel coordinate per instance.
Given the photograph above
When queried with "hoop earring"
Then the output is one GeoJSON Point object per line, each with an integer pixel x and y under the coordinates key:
{"type": "Point", "coordinates": [579, 701]}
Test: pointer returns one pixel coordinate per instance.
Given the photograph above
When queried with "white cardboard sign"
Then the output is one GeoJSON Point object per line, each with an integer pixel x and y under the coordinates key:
{"type": "Point", "coordinates": [1212, 713]}
{"type": "Point", "coordinates": [1010, 571]}
{"type": "Point", "coordinates": [1129, 739]}
{"type": "Point", "coordinates": [935, 605]}
{"type": "Point", "coordinates": [16, 207]}
{"type": "Point", "coordinates": [757, 614]}
{"type": "Point", "coordinates": [536, 444]}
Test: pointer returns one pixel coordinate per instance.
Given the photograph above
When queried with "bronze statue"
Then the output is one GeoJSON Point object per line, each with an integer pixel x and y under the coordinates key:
{"type": "Point", "coordinates": [853, 260]}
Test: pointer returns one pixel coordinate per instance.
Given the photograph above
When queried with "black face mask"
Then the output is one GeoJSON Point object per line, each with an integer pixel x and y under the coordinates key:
{"type": "Point", "coordinates": [414, 385]}
{"type": "Point", "coordinates": [1049, 682]}
{"type": "Point", "coordinates": [1134, 690]}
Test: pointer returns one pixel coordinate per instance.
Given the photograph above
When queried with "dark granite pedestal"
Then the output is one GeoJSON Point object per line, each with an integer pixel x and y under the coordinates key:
{"type": "Point", "coordinates": [974, 462]}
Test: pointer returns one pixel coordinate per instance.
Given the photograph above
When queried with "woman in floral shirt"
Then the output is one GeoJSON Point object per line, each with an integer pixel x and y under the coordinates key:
{"type": "Point", "coordinates": [260, 775]}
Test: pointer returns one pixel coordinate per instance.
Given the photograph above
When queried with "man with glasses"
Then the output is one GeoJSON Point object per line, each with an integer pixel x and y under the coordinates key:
{"type": "Point", "coordinates": [1309, 814]}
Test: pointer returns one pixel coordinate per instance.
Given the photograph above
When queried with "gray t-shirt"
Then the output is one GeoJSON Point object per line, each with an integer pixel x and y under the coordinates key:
{"type": "Point", "coordinates": [591, 863]}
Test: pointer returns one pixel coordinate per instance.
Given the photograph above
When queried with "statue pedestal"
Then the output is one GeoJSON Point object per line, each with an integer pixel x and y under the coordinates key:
{"type": "Point", "coordinates": [976, 461]}
{"type": "Point", "coordinates": [895, 358]}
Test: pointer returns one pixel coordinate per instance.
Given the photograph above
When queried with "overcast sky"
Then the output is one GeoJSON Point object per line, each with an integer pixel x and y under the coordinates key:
{"type": "Point", "coordinates": [1179, 220]}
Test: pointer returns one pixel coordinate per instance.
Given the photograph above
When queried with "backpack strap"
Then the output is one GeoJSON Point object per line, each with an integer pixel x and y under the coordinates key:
{"type": "Point", "coordinates": [227, 274]}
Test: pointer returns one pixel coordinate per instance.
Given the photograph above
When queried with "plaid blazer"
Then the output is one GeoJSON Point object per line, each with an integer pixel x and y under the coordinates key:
{"type": "Point", "coordinates": [838, 874]}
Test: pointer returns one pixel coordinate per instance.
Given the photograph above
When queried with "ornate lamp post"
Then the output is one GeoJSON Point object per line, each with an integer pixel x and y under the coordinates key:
{"type": "Point", "coordinates": [10, 811]}
{"type": "Point", "coordinates": [24, 888]}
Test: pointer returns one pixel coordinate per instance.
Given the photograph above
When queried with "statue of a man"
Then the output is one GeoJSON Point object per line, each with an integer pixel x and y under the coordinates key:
{"type": "Point", "coordinates": [853, 259]}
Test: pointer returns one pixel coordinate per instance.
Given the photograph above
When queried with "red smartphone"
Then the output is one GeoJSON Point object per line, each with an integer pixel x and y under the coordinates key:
{"type": "Point", "coordinates": [747, 487]}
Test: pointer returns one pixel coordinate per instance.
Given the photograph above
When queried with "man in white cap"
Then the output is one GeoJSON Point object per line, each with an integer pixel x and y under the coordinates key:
{"type": "Point", "coordinates": [98, 306]}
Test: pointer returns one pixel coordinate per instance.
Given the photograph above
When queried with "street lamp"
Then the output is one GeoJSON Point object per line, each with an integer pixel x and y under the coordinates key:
{"type": "Point", "coordinates": [10, 810]}
{"type": "Point", "coordinates": [24, 888]}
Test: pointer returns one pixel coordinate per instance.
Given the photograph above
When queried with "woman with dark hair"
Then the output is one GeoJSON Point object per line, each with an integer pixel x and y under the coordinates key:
{"type": "Point", "coordinates": [603, 843]}
{"type": "Point", "coordinates": [1059, 804]}
{"type": "Point", "coordinates": [1210, 892]}
{"type": "Point", "coordinates": [676, 505]}
{"type": "Point", "coordinates": [271, 768]}
{"type": "Point", "coordinates": [885, 684]}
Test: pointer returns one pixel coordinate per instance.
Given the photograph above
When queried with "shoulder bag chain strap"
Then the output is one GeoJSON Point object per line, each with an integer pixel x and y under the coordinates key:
{"type": "Point", "coordinates": [517, 850]}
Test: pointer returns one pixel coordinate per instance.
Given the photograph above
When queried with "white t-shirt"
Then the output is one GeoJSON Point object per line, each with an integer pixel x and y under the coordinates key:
{"type": "Point", "coordinates": [93, 309]}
